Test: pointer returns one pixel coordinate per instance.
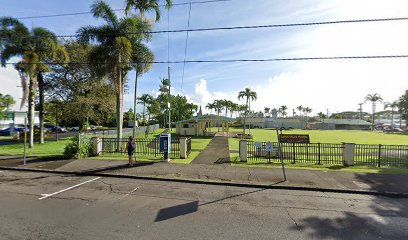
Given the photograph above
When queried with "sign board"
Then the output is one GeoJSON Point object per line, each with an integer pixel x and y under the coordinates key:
{"type": "Point", "coordinates": [294, 138]}
{"type": "Point", "coordinates": [269, 147]}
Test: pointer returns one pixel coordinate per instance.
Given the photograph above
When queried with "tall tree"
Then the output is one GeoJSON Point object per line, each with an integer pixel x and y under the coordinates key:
{"type": "Point", "coordinates": [373, 98]}
{"type": "Point", "coordinates": [266, 110]}
{"type": "Point", "coordinates": [116, 49]}
{"type": "Point", "coordinates": [144, 6]}
{"type": "Point", "coordinates": [145, 99]}
{"type": "Point", "coordinates": [283, 109]}
{"type": "Point", "coordinates": [248, 95]}
{"type": "Point", "coordinates": [210, 106]}
{"type": "Point", "coordinates": [403, 107]}
{"type": "Point", "coordinates": [142, 62]}
{"type": "Point", "coordinates": [38, 48]}
{"type": "Point", "coordinates": [393, 105]}
{"type": "Point", "coordinates": [300, 109]}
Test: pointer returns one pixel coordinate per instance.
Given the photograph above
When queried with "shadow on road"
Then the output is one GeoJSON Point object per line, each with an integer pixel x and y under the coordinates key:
{"type": "Point", "coordinates": [384, 221]}
{"type": "Point", "coordinates": [117, 167]}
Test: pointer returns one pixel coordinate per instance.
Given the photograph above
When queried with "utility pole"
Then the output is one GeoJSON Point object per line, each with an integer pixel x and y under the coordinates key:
{"type": "Point", "coordinates": [168, 103]}
{"type": "Point", "coordinates": [361, 110]}
{"type": "Point", "coordinates": [134, 106]}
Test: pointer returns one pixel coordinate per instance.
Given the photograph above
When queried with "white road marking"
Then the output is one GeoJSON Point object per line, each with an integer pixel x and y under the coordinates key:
{"type": "Point", "coordinates": [66, 189]}
{"type": "Point", "coordinates": [134, 190]}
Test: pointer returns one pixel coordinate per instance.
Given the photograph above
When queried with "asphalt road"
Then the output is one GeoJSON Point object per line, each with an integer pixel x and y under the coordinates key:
{"type": "Point", "coordinates": [50, 206]}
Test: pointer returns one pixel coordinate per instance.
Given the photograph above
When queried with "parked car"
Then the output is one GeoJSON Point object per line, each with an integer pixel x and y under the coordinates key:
{"type": "Point", "coordinates": [59, 129]}
{"type": "Point", "coordinates": [7, 131]}
{"type": "Point", "coordinates": [75, 129]}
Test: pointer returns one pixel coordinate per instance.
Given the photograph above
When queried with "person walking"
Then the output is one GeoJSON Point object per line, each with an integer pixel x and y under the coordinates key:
{"type": "Point", "coordinates": [131, 147]}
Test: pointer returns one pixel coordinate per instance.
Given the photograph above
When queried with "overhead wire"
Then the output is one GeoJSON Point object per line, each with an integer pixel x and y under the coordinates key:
{"type": "Point", "coordinates": [240, 60]}
{"type": "Point", "coordinates": [185, 48]}
{"type": "Point", "coordinates": [116, 10]}
{"type": "Point", "coordinates": [245, 27]}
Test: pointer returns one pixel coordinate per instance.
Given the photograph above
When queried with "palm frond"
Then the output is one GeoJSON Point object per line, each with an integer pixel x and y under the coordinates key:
{"type": "Point", "coordinates": [101, 9]}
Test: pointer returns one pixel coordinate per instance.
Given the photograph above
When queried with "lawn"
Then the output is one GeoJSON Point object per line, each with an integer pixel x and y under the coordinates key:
{"type": "Point", "coordinates": [323, 136]}
{"type": "Point", "coordinates": [360, 169]}
{"type": "Point", "coordinates": [50, 148]}
{"type": "Point", "coordinates": [333, 136]}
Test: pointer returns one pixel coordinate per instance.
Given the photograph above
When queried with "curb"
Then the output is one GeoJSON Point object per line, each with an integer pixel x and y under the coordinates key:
{"type": "Point", "coordinates": [216, 183]}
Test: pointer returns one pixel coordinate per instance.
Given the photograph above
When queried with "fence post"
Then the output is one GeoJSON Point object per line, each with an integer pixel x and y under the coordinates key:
{"type": "Point", "coordinates": [96, 146]}
{"type": "Point", "coordinates": [348, 154]}
{"type": "Point", "coordinates": [243, 150]}
{"type": "Point", "coordinates": [318, 156]}
{"type": "Point", "coordinates": [379, 155]}
{"type": "Point", "coordinates": [294, 154]}
{"type": "Point", "coordinates": [183, 147]}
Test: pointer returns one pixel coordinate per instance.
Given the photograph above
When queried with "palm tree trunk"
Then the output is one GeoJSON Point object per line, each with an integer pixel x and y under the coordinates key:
{"type": "Point", "coordinates": [134, 106]}
{"type": "Point", "coordinates": [119, 107]}
{"type": "Point", "coordinates": [41, 84]}
{"type": "Point", "coordinates": [31, 114]}
{"type": "Point", "coordinates": [392, 118]}
{"type": "Point", "coordinates": [372, 125]}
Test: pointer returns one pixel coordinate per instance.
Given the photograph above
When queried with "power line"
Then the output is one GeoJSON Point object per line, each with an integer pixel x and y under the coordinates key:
{"type": "Point", "coordinates": [116, 10]}
{"type": "Point", "coordinates": [248, 27]}
{"type": "Point", "coordinates": [237, 60]}
{"type": "Point", "coordinates": [185, 48]}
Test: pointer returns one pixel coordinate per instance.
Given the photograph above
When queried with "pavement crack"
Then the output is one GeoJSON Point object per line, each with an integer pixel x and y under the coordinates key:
{"type": "Point", "coordinates": [294, 221]}
{"type": "Point", "coordinates": [108, 184]}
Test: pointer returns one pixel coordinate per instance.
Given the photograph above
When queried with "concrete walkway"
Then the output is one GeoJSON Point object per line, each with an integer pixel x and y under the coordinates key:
{"type": "Point", "coordinates": [216, 152]}
{"type": "Point", "coordinates": [312, 179]}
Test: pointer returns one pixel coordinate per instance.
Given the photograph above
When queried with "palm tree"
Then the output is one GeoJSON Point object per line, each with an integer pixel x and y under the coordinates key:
{"type": "Point", "coordinates": [145, 99]}
{"type": "Point", "coordinates": [391, 105]}
{"type": "Point", "coordinates": [115, 49]}
{"type": "Point", "coordinates": [210, 106]}
{"type": "Point", "coordinates": [300, 109]}
{"type": "Point", "coordinates": [38, 48]}
{"type": "Point", "coordinates": [283, 109]}
{"type": "Point", "coordinates": [266, 110]}
{"type": "Point", "coordinates": [234, 108]}
{"type": "Point", "coordinates": [307, 110]}
{"type": "Point", "coordinates": [249, 95]}
{"type": "Point", "coordinates": [6, 101]}
{"type": "Point", "coordinates": [144, 58]}
{"type": "Point", "coordinates": [145, 6]}
{"type": "Point", "coordinates": [373, 98]}
{"type": "Point", "coordinates": [321, 115]}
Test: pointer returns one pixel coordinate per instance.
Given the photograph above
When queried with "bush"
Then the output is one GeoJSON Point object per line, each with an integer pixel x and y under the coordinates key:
{"type": "Point", "coordinates": [73, 150]}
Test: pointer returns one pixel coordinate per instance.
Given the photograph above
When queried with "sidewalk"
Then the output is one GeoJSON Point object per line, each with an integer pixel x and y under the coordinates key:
{"type": "Point", "coordinates": [225, 173]}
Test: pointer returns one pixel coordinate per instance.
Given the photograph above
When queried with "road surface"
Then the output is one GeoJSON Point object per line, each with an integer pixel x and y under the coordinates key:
{"type": "Point", "coordinates": [52, 206]}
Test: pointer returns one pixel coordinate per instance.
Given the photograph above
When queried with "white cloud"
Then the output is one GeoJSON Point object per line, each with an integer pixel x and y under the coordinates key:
{"type": "Point", "coordinates": [9, 82]}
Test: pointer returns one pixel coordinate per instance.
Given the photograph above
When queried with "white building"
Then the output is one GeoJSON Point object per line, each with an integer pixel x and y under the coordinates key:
{"type": "Point", "coordinates": [17, 118]}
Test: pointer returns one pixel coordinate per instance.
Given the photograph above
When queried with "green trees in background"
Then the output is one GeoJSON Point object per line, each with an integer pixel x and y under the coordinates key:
{"type": "Point", "coordinates": [115, 49]}
{"type": "Point", "coordinates": [38, 48]}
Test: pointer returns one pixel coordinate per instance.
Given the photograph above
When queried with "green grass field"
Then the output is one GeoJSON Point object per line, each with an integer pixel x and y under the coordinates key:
{"type": "Point", "coordinates": [322, 136]}
{"type": "Point", "coordinates": [50, 148]}
{"type": "Point", "coordinates": [333, 136]}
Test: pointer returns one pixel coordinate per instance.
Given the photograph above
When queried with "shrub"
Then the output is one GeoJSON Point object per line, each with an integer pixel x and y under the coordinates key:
{"type": "Point", "coordinates": [83, 150]}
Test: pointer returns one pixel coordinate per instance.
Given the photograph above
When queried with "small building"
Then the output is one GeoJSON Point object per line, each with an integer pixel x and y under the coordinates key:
{"type": "Point", "coordinates": [340, 124]}
{"type": "Point", "coordinates": [199, 125]}
{"type": "Point", "coordinates": [17, 118]}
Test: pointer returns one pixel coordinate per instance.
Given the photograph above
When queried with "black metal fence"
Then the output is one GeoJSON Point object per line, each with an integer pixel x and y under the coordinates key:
{"type": "Point", "coordinates": [328, 153]}
{"type": "Point", "coordinates": [381, 155]}
{"type": "Point", "coordinates": [148, 147]}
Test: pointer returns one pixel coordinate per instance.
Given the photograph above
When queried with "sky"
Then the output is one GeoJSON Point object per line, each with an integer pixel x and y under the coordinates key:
{"type": "Point", "coordinates": [322, 85]}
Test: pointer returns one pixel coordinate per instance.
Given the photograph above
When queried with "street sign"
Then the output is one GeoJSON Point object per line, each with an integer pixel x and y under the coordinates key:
{"type": "Point", "coordinates": [269, 147]}
{"type": "Point", "coordinates": [294, 138]}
